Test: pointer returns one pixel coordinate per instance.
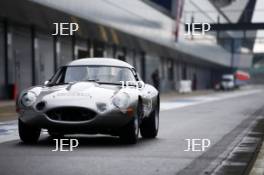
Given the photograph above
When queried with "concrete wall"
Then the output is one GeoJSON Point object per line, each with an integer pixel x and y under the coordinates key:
{"type": "Point", "coordinates": [44, 58]}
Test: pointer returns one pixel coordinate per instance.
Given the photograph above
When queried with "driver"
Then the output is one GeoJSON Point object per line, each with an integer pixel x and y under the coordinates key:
{"type": "Point", "coordinates": [76, 74]}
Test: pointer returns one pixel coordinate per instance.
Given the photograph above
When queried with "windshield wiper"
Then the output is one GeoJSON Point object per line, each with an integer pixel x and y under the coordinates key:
{"type": "Point", "coordinates": [111, 83]}
{"type": "Point", "coordinates": [92, 80]}
{"type": "Point", "coordinates": [55, 84]}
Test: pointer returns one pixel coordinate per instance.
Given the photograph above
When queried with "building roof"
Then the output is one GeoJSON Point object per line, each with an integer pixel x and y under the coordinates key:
{"type": "Point", "coordinates": [138, 19]}
{"type": "Point", "coordinates": [141, 20]}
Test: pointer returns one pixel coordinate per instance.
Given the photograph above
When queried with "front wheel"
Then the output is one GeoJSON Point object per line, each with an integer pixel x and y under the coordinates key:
{"type": "Point", "coordinates": [150, 125]}
{"type": "Point", "coordinates": [130, 133]}
{"type": "Point", "coordinates": [28, 134]}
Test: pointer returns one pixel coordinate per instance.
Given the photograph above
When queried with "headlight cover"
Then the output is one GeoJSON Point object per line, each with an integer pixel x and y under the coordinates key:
{"type": "Point", "coordinates": [121, 100]}
{"type": "Point", "coordinates": [28, 99]}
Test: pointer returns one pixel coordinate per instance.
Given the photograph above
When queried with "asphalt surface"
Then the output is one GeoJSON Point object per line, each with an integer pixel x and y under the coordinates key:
{"type": "Point", "coordinates": [222, 119]}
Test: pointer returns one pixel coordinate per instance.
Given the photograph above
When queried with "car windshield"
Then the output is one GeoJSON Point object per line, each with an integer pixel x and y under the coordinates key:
{"type": "Point", "coordinates": [100, 74]}
{"type": "Point", "coordinates": [227, 79]}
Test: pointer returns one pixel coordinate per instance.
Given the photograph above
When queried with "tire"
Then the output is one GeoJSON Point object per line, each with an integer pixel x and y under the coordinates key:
{"type": "Point", "coordinates": [150, 125]}
{"type": "Point", "coordinates": [130, 133]}
{"type": "Point", "coordinates": [28, 134]}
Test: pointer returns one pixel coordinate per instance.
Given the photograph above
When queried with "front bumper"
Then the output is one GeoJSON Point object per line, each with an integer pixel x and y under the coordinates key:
{"type": "Point", "coordinates": [101, 123]}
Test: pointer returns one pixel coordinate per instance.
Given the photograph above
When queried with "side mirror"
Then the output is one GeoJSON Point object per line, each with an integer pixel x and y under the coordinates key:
{"type": "Point", "coordinates": [46, 82]}
{"type": "Point", "coordinates": [140, 84]}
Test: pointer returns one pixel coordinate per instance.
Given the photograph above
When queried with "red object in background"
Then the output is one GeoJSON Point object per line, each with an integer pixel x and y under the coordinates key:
{"type": "Point", "coordinates": [240, 75]}
{"type": "Point", "coordinates": [14, 92]}
{"type": "Point", "coordinates": [179, 9]}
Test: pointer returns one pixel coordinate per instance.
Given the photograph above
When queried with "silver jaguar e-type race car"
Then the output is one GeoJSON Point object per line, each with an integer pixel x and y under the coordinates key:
{"type": "Point", "coordinates": [90, 96]}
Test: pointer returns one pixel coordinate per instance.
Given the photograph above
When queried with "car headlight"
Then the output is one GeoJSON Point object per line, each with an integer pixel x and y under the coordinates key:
{"type": "Point", "coordinates": [121, 100]}
{"type": "Point", "coordinates": [28, 99]}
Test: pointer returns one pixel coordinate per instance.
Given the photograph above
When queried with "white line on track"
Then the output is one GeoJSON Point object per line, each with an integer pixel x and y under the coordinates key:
{"type": "Point", "coordinates": [190, 101]}
{"type": "Point", "coordinates": [8, 130]}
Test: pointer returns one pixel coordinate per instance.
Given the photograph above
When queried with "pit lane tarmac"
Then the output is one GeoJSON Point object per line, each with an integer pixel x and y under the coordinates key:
{"type": "Point", "coordinates": [236, 158]}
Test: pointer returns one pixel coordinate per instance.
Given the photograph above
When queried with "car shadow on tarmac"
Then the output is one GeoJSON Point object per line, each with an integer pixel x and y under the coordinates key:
{"type": "Point", "coordinates": [89, 141]}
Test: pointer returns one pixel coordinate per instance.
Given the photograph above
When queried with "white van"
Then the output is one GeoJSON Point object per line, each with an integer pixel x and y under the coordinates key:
{"type": "Point", "coordinates": [227, 82]}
